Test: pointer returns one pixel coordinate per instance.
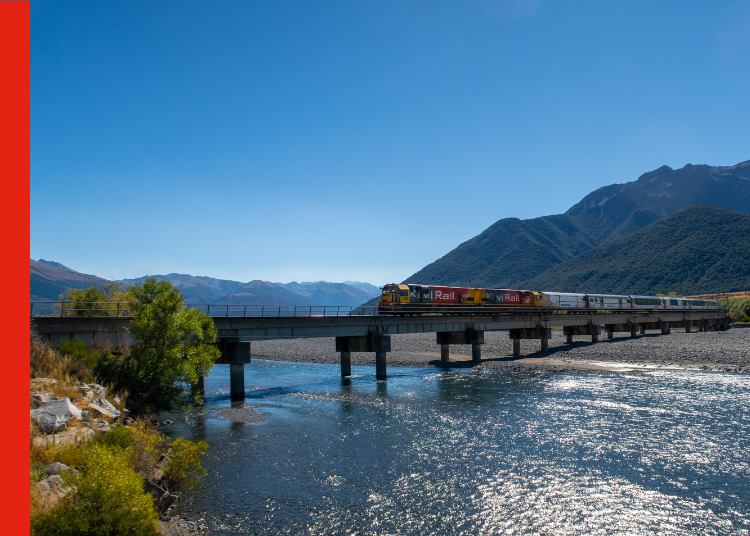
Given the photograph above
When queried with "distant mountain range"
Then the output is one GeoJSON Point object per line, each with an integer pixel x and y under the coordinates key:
{"type": "Point", "coordinates": [51, 279]}
{"type": "Point", "coordinates": [512, 252]}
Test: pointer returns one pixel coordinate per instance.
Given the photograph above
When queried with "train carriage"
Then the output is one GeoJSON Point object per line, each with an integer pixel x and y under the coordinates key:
{"type": "Point", "coordinates": [608, 301]}
{"type": "Point", "coordinates": [564, 299]}
{"type": "Point", "coordinates": [647, 302]}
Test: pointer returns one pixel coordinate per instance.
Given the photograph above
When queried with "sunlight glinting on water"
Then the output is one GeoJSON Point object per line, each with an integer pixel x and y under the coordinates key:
{"type": "Point", "coordinates": [482, 452]}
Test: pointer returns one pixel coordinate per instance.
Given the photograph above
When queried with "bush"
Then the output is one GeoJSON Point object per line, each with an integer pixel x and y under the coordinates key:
{"type": "Point", "coordinates": [108, 499]}
{"type": "Point", "coordinates": [184, 465]}
{"type": "Point", "coordinates": [739, 309]}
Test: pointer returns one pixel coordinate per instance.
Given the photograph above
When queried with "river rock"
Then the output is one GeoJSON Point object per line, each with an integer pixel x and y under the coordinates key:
{"type": "Point", "coordinates": [55, 468]}
{"type": "Point", "coordinates": [163, 498]}
{"type": "Point", "coordinates": [86, 392]}
{"type": "Point", "coordinates": [51, 490]}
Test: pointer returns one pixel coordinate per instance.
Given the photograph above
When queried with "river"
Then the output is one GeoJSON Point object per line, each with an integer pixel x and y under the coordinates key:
{"type": "Point", "coordinates": [472, 451]}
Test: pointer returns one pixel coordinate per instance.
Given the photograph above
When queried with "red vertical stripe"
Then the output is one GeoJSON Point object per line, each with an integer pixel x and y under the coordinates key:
{"type": "Point", "coordinates": [14, 220]}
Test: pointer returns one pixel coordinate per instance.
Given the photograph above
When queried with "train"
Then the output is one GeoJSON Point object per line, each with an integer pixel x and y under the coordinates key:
{"type": "Point", "coordinates": [424, 299]}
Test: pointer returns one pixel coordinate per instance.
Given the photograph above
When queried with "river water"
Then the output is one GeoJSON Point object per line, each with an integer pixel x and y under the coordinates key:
{"type": "Point", "coordinates": [473, 451]}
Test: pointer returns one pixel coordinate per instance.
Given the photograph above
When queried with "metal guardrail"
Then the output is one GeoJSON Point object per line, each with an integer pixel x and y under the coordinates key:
{"type": "Point", "coordinates": [121, 310]}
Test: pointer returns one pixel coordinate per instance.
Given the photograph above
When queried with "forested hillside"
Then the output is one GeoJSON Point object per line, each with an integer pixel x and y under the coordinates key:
{"type": "Point", "coordinates": [512, 251]}
{"type": "Point", "coordinates": [696, 250]}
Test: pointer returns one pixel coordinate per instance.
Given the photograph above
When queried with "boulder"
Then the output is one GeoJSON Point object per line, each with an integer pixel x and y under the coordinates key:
{"type": "Point", "coordinates": [55, 468]}
{"type": "Point", "coordinates": [104, 403]}
{"type": "Point", "coordinates": [42, 383]}
{"type": "Point", "coordinates": [163, 499]}
{"type": "Point", "coordinates": [103, 411]}
{"type": "Point", "coordinates": [116, 398]}
{"type": "Point", "coordinates": [100, 426]}
{"type": "Point", "coordinates": [86, 392]}
{"type": "Point", "coordinates": [48, 423]}
{"type": "Point", "coordinates": [99, 390]}
{"type": "Point", "coordinates": [54, 415]}
{"type": "Point", "coordinates": [43, 396]}
{"type": "Point", "coordinates": [69, 437]}
{"type": "Point", "coordinates": [51, 490]}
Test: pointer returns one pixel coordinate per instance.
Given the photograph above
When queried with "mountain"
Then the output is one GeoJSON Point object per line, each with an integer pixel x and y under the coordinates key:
{"type": "Point", "coordinates": [372, 290]}
{"type": "Point", "coordinates": [50, 279]}
{"type": "Point", "coordinates": [696, 250]}
{"type": "Point", "coordinates": [197, 289]}
{"type": "Point", "coordinates": [325, 293]}
{"type": "Point", "coordinates": [512, 251]}
{"type": "Point", "coordinates": [264, 293]}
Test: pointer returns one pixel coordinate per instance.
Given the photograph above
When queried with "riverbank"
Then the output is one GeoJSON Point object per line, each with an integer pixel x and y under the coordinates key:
{"type": "Point", "coordinates": [727, 351]}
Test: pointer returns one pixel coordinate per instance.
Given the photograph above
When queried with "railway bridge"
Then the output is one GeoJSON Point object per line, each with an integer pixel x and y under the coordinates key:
{"type": "Point", "coordinates": [361, 329]}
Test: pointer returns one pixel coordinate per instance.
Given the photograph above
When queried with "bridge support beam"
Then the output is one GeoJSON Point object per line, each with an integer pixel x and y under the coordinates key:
{"type": "Point", "coordinates": [235, 353]}
{"type": "Point", "coordinates": [476, 353]}
{"type": "Point", "coordinates": [470, 336]}
{"type": "Point", "coordinates": [610, 333]}
{"type": "Point", "coordinates": [372, 342]}
{"type": "Point", "coordinates": [237, 381]}
{"type": "Point", "coordinates": [380, 369]}
{"type": "Point", "coordinates": [569, 338]}
{"type": "Point", "coordinates": [543, 334]}
{"type": "Point", "coordinates": [641, 329]}
{"type": "Point", "coordinates": [346, 364]}
{"type": "Point", "coordinates": [665, 329]}
{"type": "Point", "coordinates": [588, 329]}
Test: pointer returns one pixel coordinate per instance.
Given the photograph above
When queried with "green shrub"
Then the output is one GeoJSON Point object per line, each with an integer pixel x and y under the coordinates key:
{"type": "Point", "coordinates": [118, 436]}
{"type": "Point", "coordinates": [184, 467]}
{"type": "Point", "coordinates": [77, 350]}
{"type": "Point", "coordinates": [738, 309]}
{"type": "Point", "coordinates": [108, 500]}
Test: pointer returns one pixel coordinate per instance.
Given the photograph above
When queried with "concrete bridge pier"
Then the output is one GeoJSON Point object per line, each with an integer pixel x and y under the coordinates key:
{"type": "Point", "coordinates": [372, 342]}
{"type": "Point", "coordinates": [610, 333]}
{"type": "Point", "coordinates": [665, 329]}
{"type": "Point", "coordinates": [469, 336]}
{"type": "Point", "coordinates": [346, 364]}
{"type": "Point", "coordinates": [235, 353]}
{"type": "Point", "coordinates": [641, 329]}
{"type": "Point", "coordinates": [543, 334]}
{"type": "Point", "coordinates": [588, 329]}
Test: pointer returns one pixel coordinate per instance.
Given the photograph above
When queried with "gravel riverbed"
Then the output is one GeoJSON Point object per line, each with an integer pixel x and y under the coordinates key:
{"type": "Point", "coordinates": [727, 351]}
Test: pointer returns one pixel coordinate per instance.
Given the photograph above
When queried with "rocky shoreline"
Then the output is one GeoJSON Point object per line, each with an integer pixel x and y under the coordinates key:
{"type": "Point", "coordinates": [727, 351]}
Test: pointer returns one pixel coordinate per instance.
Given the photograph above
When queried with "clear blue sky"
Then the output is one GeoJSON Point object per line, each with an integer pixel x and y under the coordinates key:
{"type": "Point", "coordinates": [357, 140]}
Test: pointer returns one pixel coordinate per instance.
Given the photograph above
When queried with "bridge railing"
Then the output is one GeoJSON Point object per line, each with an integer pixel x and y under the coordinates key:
{"type": "Point", "coordinates": [265, 311]}
{"type": "Point", "coordinates": [119, 309]}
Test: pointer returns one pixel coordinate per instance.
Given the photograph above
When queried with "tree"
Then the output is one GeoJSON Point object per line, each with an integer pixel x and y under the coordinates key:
{"type": "Point", "coordinates": [174, 347]}
{"type": "Point", "coordinates": [108, 300]}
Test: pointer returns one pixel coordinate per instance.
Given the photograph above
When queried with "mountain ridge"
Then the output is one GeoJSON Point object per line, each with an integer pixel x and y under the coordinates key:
{"type": "Point", "coordinates": [511, 250]}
